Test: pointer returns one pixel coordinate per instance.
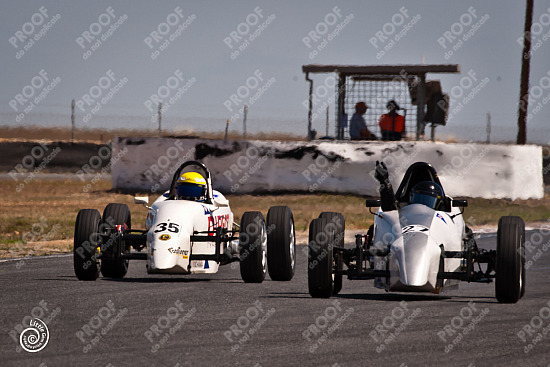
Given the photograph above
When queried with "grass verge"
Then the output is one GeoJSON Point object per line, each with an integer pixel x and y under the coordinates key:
{"type": "Point", "coordinates": [39, 219]}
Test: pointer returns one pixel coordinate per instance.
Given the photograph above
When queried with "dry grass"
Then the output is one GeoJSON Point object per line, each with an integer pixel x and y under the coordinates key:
{"type": "Point", "coordinates": [40, 219]}
{"type": "Point", "coordinates": [102, 136]}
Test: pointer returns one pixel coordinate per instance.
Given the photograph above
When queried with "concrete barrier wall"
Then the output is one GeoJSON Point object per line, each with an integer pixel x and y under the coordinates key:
{"type": "Point", "coordinates": [472, 170]}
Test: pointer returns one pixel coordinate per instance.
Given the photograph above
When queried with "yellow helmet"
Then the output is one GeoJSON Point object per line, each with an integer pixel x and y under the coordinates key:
{"type": "Point", "coordinates": [191, 186]}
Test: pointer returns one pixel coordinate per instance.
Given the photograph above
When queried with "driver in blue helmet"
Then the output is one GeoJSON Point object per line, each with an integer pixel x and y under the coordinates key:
{"type": "Point", "coordinates": [427, 193]}
{"type": "Point", "coordinates": [191, 186]}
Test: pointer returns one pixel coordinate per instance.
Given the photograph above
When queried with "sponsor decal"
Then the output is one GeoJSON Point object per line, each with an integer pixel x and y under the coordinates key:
{"type": "Point", "coordinates": [415, 228]}
{"type": "Point", "coordinates": [197, 263]}
{"type": "Point", "coordinates": [179, 251]}
{"type": "Point", "coordinates": [206, 210]}
{"type": "Point", "coordinates": [441, 217]}
{"type": "Point", "coordinates": [164, 237]}
{"type": "Point", "coordinates": [218, 221]}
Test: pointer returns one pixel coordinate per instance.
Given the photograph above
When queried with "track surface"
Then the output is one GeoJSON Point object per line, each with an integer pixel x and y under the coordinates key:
{"type": "Point", "coordinates": [277, 321]}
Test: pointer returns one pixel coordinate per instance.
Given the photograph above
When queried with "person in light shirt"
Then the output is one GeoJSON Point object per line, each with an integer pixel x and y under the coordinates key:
{"type": "Point", "coordinates": [358, 128]}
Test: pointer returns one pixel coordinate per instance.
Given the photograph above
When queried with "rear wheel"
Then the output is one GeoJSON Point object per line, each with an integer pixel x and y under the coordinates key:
{"type": "Point", "coordinates": [320, 261]}
{"type": "Point", "coordinates": [281, 243]}
{"type": "Point", "coordinates": [253, 247]}
{"type": "Point", "coordinates": [340, 222]}
{"type": "Point", "coordinates": [509, 263]}
{"type": "Point", "coordinates": [112, 263]}
{"type": "Point", "coordinates": [86, 241]}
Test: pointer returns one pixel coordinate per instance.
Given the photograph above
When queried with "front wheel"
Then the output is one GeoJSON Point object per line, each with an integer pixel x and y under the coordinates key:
{"type": "Point", "coordinates": [281, 243]}
{"type": "Point", "coordinates": [86, 241]}
{"type": "Point", "coordinates": [112, 263]}
{"type": "Point", "coordinates": [339, 224]}
{"type": "Point", "coordinates": [320, 260]}
{"type": "Point", "coordinates": [253, 247]}
{"type": "Point", "coordinates": [509, 262]}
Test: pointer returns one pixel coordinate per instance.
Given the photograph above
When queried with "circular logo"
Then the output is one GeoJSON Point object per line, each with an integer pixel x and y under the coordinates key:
{"type": "Point", "coordinates": [34, 338]}
{"type": "Point", "coordinates": [164, 237]}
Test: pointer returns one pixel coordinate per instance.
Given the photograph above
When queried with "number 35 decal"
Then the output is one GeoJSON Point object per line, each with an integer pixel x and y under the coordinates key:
{"type": "Point", "coordinates": [171, 227]}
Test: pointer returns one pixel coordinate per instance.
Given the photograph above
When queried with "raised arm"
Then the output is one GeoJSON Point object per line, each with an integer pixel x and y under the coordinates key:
{"type": "Point", "coordinates": [387, 195]}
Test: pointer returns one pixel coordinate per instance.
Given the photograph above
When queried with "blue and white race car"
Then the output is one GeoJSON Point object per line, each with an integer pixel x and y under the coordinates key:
{"type": "Point", "coordinates": [189, 230]}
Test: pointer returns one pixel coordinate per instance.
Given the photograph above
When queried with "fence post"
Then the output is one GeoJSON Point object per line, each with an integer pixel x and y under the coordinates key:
{"type": "Point", "coordinates": [245, 113]}
{"type": "Point", "coordinates": [160, 117]}
{"type": "Point", "coordinates": [72, 120]}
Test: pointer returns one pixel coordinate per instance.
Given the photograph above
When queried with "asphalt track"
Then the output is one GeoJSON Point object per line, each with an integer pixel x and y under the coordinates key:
{"type": "Point", "coordinates": [217, 320]}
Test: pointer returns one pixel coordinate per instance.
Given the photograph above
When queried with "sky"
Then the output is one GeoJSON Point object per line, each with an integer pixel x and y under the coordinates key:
{"type": "Point", "coordinates": [205, 59]}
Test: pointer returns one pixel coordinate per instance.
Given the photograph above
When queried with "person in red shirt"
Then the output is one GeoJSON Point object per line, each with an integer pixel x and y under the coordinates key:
{"type": "Point", "coordinates": [392, 124]}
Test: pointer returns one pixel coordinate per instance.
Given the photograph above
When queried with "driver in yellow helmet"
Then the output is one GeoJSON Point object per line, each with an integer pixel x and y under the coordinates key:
{"type": "Point", "coordinates": [191, 186]}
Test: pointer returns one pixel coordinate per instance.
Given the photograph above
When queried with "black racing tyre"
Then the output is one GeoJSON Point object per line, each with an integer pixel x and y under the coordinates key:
{"type": "Point", "coordinates": [509, 262]}
{"type": "Point", "coordinates": [253, 247]}
{"type": "Point", "coordinates": [86, 241]}
{"type": "Point", "coordinates": [112, 263]}
{"type": "Point", "coordinates": [340, 222]}
{"type": "Point", "coordinates": [281, 243]}
{"type": "Point", "coordinates": [320, 259]}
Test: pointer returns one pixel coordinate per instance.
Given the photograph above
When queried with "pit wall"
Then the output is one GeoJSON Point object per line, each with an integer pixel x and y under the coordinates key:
{"type": "Point", "coordinates": [471, 170]}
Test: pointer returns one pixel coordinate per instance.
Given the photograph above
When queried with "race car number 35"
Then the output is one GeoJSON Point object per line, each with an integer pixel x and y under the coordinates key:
{"type": "Point", "coordinates": [171, 227]}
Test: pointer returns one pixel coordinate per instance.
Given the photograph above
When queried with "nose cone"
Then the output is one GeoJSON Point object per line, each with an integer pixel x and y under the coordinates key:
{"type": "Point", "coordinates": [417, 259]}
{"type": "Point", "coordinates": [170, 252]}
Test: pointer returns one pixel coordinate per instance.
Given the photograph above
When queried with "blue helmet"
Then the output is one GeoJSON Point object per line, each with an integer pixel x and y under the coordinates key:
{"type": "Point", "coordinates": [427, 193]}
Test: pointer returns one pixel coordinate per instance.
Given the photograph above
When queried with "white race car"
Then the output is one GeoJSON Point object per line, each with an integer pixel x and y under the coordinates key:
{"type": "Point", "coordinates": [418, 243]}
{"type": "Point", "coordinates": [185, 236]}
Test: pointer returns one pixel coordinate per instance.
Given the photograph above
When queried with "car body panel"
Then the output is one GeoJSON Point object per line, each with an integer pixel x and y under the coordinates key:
{"type": "Point", "coordinates": [170, 225]}
{"type": "Point", "coordinates": [415, 235]}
